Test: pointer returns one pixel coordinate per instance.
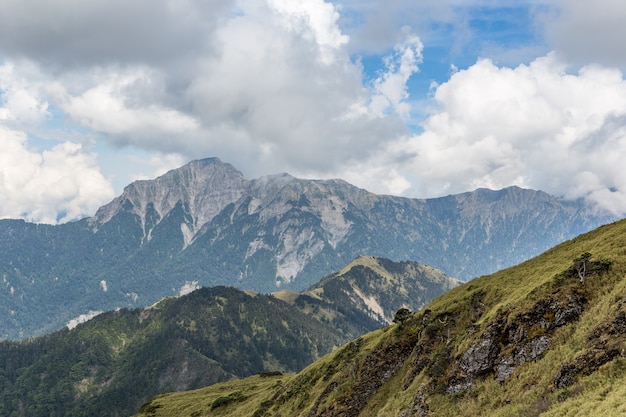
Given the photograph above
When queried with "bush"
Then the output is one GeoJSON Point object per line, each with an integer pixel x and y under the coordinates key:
{"type": "Point", "coordinates": [402, 315]}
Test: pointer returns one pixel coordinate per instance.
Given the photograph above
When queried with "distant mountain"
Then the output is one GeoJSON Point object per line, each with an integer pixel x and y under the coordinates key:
{"type": "Point", "coordinates": [116, 361]}
{"type": "Point", "coordinates": [204, 224]}
{"type": "Point", "coordinates": [371, 289]}
{"type": "Point", "coordinates": [545, 337]}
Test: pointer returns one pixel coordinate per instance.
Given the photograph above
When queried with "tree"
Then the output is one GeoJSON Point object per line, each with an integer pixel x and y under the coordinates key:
{"type": "Point", "coordinates": [402, 315]}
{"type": "Point", "coordinates": [580, 266]}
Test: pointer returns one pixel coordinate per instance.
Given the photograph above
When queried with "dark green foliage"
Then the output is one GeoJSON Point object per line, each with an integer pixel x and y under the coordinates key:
{"type": "Point", "coordinates": [270, 374]}
{"type": "Point", "coordinates": [112, 364]}
{"type": "Point", "coordinates": [583, 267]}
{"type": "Point", "coordinates": [439, 362]}
{"type": "Point", "coordinates": [224, 401]}
{"type": "Point", "coordinates": [402, 315]}
{"type": "Point", "coordinates": [51, 274]}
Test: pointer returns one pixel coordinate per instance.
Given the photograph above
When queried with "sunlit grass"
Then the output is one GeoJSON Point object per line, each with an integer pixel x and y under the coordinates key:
{"type": "Point", "coordinates": [529, 391]}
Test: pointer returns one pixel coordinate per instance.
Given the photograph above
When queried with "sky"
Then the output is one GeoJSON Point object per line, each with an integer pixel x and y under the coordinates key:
{"type": "Point", "coordinates": [420, 98]}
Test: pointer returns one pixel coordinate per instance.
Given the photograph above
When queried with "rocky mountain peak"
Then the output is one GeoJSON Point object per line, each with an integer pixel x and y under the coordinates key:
{"type": "Point", "coordinates": [204, 187]}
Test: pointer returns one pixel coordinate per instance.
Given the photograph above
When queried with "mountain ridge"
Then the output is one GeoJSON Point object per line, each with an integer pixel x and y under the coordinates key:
{"type": "Point", "coordinates": [205, 224]}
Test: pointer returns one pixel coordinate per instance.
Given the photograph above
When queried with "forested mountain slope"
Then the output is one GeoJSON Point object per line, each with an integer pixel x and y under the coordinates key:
{"type": "Point", "coordinates": [111, 364]}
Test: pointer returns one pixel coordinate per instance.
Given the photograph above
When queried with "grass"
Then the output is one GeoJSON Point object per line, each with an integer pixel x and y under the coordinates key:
{"type": "Point", "coordinates": [452, 323]}
{"type": "Point", "coordinates": [242, 397]}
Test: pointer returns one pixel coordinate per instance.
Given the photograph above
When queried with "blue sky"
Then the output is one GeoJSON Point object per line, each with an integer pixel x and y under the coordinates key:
{"type": "Point", "coordinates": [415, 98]}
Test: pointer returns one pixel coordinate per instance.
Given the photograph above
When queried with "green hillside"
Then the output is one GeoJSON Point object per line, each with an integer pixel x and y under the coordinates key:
{"type": "Point", "coordinates": [113, 363]}
{"type": "Point", "coordinates": [205, 223]}
{"type": "Point", "coordinates": [526, 341]}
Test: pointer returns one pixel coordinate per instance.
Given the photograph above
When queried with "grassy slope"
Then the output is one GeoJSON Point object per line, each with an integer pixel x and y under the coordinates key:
{"type": "Point", "coordinates": [409, 367]}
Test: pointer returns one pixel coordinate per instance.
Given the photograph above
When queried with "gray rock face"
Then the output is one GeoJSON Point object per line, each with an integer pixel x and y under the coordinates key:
{"type": "Point", "coordinates": [481, 357]}
{"type": "Point", "coordinates": [510, 342]}
{"type": "Point", "coordinates": [307, 228]}
{"type": "Point", "coordinates": [205, 186]}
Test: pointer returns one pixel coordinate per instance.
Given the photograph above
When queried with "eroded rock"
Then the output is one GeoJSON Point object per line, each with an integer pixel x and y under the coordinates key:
{"type": "Point", "coordinates": [507, 344]}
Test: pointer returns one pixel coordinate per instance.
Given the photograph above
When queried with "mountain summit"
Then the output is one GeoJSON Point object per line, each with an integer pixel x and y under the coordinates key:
{"type": "Point", "coordinates": [292, 223]}
{"type": "Point", "coordinates": [204, 188]}
{"type": "Point", "coordinates": [205, 224]}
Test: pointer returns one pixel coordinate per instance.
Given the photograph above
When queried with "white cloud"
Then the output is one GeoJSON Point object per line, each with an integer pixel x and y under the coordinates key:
{"type": "Point", "coordinates": [536, 126]}
{"type": "Point", "coordinates": [271, 97]}
{"type": "Point", "coordinates": [59, 184]}
{"type": "Point", "coordinates": [156, 165]}
{"type": "Point", "coordinates": [391, 87]}
{"type": "Point", "coordinates": [108, 107]}
{"type": "Point", "coordinates": [273, 85]}
{"type": "Point", "coordinates": [263, 87]}
{"type": "Point", "coordinates": [21, 101]}
{"type": "Point", "coordinates": [316, 20]}
{"type": "Point", "coordinates": [75, 34]}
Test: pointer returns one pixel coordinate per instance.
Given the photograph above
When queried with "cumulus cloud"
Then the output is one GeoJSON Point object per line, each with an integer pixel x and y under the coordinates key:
{"type": "Point", "coordinates": [56, 185]}
{"type": "Point", "coordinates": [68, 33]}
{"type": "Point", "coordinates": [315, 20]}
{"type": "Point", "coordinates": [391, 86]}
{"type": "Point", "coordinates": [536, 126]}
{"type": "Point", "coordinates": [21, 98]}
{"type": "Point", "coordinates": [262, 84]}
{"type": "Point", "coordinates": [278, 101]}
{"type": "Point", "coordinates": [109, 106]}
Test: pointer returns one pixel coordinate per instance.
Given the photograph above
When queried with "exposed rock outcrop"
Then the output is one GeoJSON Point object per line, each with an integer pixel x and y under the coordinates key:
{"type": "Point", "coordinates": [608, 341]}
{"type": "Point", "coordinates": [509, 342]}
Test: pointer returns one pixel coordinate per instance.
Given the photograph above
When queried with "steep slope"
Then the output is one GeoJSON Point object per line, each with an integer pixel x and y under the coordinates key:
{"type": "Point", "coordinates": [204, 224]}
{"type": "Point", "coordinates": [368, 291]}
{"type": "Point", "coordinates": [546, 338]}
{"type": "Point", "coordinates": [202, 187]}
{"type": "Point", "coordinates": [115, 361]}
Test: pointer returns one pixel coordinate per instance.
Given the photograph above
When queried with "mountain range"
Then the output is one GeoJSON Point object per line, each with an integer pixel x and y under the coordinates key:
{"type": "Point", "coordinates": [111, 364]}
{"type": "Point", "coordinates": [544, 338]}
{"type": "Point", "coordinates": [205, 224]}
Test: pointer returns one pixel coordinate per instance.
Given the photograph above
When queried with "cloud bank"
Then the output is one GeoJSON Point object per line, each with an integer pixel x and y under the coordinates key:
{"type": "Point", "coordinates": [281, 86]}
{"type": "Point", "coordinates": [537, 126]}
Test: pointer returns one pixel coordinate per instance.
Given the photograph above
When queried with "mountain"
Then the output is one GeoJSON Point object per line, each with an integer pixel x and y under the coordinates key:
{"type": "Point", "coordinates": [371, 289]}
{"type": "Point", "coordinates": [116, 361]}
{"type": "Point", "coordinates": [205, 224]}
{"type": "Point", "coordinates": [545, 338]}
